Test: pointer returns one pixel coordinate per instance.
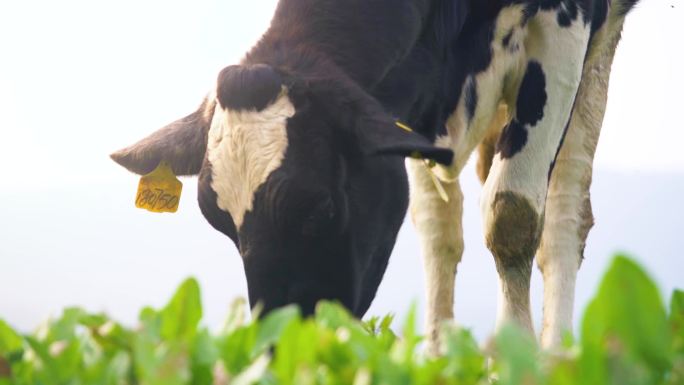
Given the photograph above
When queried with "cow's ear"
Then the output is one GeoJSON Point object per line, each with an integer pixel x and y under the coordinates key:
{"type": "Point", "coordinates": [181, 144]}
{"type": "Point", "coordinates": [377, 132]}
{"type": "Point", "coordinates": [387, 137]}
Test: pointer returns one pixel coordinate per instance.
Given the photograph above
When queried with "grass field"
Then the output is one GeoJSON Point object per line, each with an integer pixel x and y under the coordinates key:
{"type": "Point", "coordinates": [628, 336]}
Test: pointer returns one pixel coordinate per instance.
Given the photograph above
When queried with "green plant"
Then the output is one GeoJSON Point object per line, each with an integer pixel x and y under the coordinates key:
{"type": "Point", "coordinates": [627, 337]}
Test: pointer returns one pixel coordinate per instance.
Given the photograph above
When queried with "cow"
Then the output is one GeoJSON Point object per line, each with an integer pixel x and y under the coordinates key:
{"type": "Point", "coordinates": [308, 150]}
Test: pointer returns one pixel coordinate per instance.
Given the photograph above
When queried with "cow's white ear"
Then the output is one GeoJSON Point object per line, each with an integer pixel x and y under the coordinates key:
{"type": "Point", "coordinates": [392, 138]}
{"type": "Point", "coordinates": [181, 144]}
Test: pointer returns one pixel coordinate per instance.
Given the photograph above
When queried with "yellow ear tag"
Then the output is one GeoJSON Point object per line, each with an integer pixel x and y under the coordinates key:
{"type": "Point", "coordinates": [159, 191]}
{"type": "Point", "coordinates": [429, 166]}
{"type": "Point", "coordinates": [403, 126]}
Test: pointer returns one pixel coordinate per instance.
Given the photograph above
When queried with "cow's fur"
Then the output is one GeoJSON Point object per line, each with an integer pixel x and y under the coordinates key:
{"type": "Point", "coordinates": [291, 171]}
{"type": "Point", "coordinates": [249, 147]}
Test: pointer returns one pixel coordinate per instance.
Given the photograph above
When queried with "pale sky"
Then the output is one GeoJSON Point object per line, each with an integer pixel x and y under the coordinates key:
{"type": "Point", "coordinates": [79, 79]}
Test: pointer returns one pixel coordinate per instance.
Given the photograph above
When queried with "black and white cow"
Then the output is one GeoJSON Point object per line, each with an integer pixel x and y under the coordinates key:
{"type": "Point", "coordinates": [301, 164]}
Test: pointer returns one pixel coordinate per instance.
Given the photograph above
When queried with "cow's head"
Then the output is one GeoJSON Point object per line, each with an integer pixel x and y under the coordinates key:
{"type": "Point", "coordinates": [306, 176]}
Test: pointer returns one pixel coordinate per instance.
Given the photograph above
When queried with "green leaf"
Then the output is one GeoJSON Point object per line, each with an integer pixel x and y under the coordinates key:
{"type": "Point", "coordinates": [235, 349]}
{"type": "Point", "coordinates": [150, 321]}
{"type": "Point", "coordinates": [68, 361]}
{"type": "Point", "coordinates": [181, 316]}
{"type": "Point", "coordinates": [295, 352]}
{"type": "Point", "coordinates": [404, 350]}
{"type": "Point", "coordinates": [677, 319]}
{"type": "Point", "coordinates": [677, 304]}
{"type": "Point", "coordinates": [112, 370]}
{"type": "Point", "coordinates": [113, 337]}
{"type": "Point", "coordinates": [332, 315]}
{"type": "Point", "coordinates": [160, 363]}
{"type": "Point", "coordinates": [625, 334]}
{"type": "Point", "coordinates": [64, 329]}
{"type": "Point", "coordinates": [93, 320]}
{"type": "Point", "coordinates": [10, 341]}
{"type": "Point", "coordinates": [371, 325]}
{"type": "Point", "coordinates": [254, 372]}
{"type": "Point", "coordinates": [272, 326]}
{"type": "Point", "coordinates": [48, 367]}
{"type": "Point", "coordinates": [627, 338]}
{"type": "Point", "coordinates": [517, 357]}
{"type": "Point", "coordinates": [236, 315]}
{"type": "Point", "coordinates": [204, 356]}
{"type": "Point", "coordinates": [466, 363]}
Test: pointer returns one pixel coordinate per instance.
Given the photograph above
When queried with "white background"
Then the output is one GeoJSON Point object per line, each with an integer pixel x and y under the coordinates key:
{"type": "Point", "coordinates": [79, 79]}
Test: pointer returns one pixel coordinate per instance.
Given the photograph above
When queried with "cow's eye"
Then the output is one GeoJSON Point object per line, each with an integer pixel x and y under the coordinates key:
{"type": "Point", "coordinates": [319, 219]}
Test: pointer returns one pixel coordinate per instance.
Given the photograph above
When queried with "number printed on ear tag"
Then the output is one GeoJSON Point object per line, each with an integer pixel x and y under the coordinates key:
{"type": "Point", "coordinates": [159, 191]}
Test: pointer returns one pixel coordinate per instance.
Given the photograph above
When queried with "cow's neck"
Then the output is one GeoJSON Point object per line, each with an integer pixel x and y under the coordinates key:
{"type": "Point", "coordinates": [381, 33]}
{"type": "Point", "coordinates": [422, 89]}
{"type": "Point", "coordinates": [399, 57]}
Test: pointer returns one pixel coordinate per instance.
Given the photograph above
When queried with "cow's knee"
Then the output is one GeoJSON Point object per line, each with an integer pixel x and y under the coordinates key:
{"type": "Point", "coordinates": [513, 230]}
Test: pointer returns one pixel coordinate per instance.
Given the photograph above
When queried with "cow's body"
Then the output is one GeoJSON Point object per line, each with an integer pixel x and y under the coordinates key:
{"type": "Point", "coordinates": [287, 136]}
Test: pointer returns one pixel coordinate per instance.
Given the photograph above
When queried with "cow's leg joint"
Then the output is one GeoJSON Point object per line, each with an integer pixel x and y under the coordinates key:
{"type": "Point", "coordinates": [513, 236]}
{"type": "Point", "coordinates": [515, 229]}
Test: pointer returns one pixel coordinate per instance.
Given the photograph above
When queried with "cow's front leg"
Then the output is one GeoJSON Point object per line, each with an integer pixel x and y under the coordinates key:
{"type": "Point", "coordinates": [441, 235]}
{"type": "Point", "coordinates": [515, 190]}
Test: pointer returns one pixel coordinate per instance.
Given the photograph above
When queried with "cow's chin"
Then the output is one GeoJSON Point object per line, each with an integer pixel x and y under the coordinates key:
{"type": "Point", "coordinates": [274, 285]}
{"type": "Point", "coordinates": [279, 279]}
{"type": "Point", "coordinates": [304, 294]}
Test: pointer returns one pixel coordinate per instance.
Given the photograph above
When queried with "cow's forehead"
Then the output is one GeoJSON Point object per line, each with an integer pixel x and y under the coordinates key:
{"type": "Point", "coordinates": [244, 147]}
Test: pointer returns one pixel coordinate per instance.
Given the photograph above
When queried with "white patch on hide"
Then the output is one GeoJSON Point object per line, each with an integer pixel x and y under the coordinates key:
{"type": "Point", "coordinates": [244, 148]}
{"type": "Point", "coordinates": [560, 52]}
